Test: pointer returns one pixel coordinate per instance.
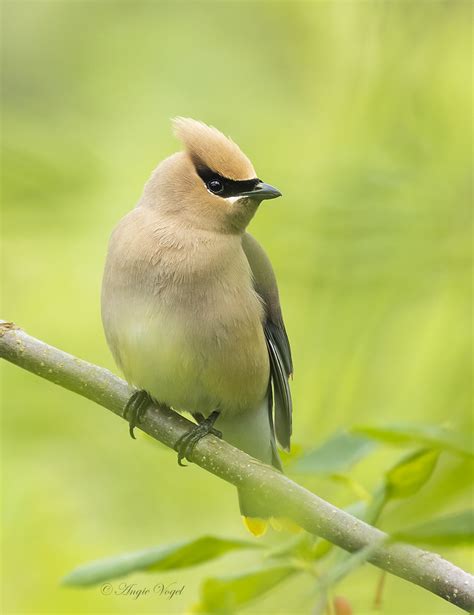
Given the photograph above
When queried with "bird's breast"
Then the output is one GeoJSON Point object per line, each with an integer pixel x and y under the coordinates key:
{"type": "Point", "coordinates": [188, 330]}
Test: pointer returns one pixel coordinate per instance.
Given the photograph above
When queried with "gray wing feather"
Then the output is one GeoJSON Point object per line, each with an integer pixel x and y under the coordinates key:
{"type": "Point", "coordinates": [279, 351]}
{"type": "Point", "coordinates": [281, 388]}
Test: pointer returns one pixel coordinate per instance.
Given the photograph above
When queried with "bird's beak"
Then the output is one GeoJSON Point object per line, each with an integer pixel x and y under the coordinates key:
{"type": "Point", "coordinates": [262, 191]}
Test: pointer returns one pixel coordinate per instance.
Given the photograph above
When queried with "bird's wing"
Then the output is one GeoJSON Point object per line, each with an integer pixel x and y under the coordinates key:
{"type": "Point", "coordinates": [281, 364]}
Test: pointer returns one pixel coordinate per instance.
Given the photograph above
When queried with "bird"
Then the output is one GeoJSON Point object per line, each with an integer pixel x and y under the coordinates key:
{"type": "Point", "coordinates": [190, 303]}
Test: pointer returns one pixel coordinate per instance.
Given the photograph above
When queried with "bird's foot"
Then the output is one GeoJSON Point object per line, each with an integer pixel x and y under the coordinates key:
{"type": "Point", "coordinates": [185, 445]}
{"type": "Point", "coordinates": [200, 418]}
{"type": "Point", "coordinates": [135, 409]}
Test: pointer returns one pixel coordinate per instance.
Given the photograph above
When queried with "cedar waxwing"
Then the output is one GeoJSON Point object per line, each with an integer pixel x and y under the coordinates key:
{"type": "Point", "coordinates": [190, 303]}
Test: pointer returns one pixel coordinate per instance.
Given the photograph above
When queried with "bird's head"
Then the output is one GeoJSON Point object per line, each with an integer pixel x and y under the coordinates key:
{"type": "Point", "coordinates": [211, 185]}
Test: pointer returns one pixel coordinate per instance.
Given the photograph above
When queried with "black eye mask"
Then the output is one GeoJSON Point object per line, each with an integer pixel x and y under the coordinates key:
{"type": "Point", "coordinates": [223, 186]}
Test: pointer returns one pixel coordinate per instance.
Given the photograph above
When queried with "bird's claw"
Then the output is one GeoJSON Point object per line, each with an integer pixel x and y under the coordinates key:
{"type": "Point", "coordinates": [185, 445]}
{"type": "Point", "coordinates": [135, 409]}
{"type": "Point", "coordinates": [217, 433]}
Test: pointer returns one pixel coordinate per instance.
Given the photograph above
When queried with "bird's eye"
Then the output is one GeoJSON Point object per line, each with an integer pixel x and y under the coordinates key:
{"type": "Point", "coordinates": [215, 186]}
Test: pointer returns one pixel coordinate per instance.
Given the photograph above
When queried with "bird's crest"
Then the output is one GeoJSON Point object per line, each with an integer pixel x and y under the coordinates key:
{"type": "Point", "coordinates": [208, 147]}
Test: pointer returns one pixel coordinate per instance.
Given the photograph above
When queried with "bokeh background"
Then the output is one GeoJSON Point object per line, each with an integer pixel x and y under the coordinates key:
{"type": "Point", "coordinates": [360, 113]}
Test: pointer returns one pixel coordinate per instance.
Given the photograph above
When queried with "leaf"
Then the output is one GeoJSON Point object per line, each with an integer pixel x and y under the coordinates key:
{"type": "Point", "coordinates": [453, 530]}
{"type": "Point", "coordinates": [304, 547]}
{"type": "Point", "coordinates": [181, 555]}
{"type": "Point", "coordinates": [404, 479]}
{"type": "Point", "coordinates": [336, 455]}
{"type": "Point", "coordinates": [409, 475]}
{"type": "Point", "coordinates": [433, 436]}
{"type": "Point", "coordinates": [224, 595]}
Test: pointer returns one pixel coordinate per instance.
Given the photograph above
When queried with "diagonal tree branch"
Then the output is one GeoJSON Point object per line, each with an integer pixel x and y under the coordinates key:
{"type": "Point", "coordinates": [281, 494]}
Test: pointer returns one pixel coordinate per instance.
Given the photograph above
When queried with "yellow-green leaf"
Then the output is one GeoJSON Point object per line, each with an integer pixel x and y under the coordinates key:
{"type": "Point", "coordinates": [224, 595]}
{"type": "Point", "coordinates": [409, 475]}
{"type": "Point", "coordinates": [172, 557]}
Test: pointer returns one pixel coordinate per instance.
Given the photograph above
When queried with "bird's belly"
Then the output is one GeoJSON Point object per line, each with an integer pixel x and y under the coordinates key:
{"type": "Point", "coordinates": [194, 363]}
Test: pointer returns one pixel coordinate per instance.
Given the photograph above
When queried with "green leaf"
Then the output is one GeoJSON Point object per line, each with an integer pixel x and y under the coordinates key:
{"type": "Point", "coordinates": [453, 530]}
{"type": "Point", "coordinates": [409, 475]}
{"type": "Point", "coordinates": [336, 455]}
{"type": "Point", "coordinates": [433, 436]}
{"type": "Point", "coordinates": [224, 595]}
{"type": "Point", "coordinates": [304, 547]}
{"type": "Point", "coordinates": [181, 555]}
{"type": "Point", "coordinates": [404, 479]}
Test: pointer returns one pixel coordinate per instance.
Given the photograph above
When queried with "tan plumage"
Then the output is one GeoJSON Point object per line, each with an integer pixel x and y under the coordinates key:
{"type": "Point", "coordinates": [208, 145]}
{"type": "Point", "coordinates": [189, 300]}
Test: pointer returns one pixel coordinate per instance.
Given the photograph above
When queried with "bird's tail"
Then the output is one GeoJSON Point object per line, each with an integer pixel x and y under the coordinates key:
{"type": "Point", "coordinates": [254, 518]}
{"type": "Point", "coordinates": [257, 526]}
{"type": "Point", "coordinates": [257, 520]}
{"type": "Point", "coordinates": [253, 433]}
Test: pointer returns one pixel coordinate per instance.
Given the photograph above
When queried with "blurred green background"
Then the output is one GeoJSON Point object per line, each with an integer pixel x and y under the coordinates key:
{"type": "Point", "coordinates": [360, 113]}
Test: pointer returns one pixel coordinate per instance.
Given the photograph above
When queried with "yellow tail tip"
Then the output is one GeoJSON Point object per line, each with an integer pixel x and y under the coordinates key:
{"type": "Point", "coordinates": [255, 525]}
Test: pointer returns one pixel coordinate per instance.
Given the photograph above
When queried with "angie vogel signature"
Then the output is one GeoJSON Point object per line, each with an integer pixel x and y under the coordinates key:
{"type": "Point", "coordinates": [135, 591]}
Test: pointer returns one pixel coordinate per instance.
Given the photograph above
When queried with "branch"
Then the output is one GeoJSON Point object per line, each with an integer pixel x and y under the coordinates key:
{"type": "Point", "coordinates": [281, 494]}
